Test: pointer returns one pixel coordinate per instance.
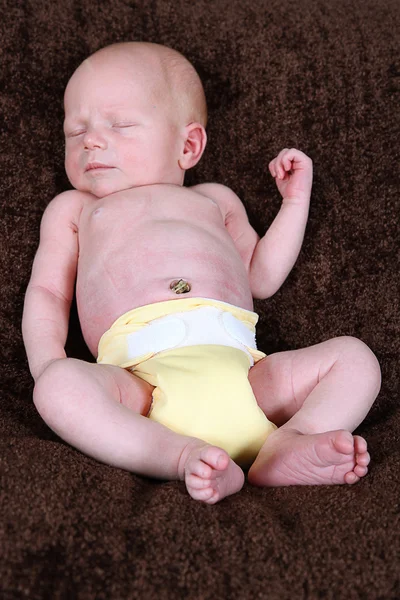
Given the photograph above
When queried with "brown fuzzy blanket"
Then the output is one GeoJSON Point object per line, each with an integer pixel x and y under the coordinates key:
{"type": "Point", "coordinates": [318, 75]}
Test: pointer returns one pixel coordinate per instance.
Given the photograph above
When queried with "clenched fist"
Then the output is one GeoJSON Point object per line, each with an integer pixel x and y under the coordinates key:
{"type": "Point", "coordinates": [293, 172]}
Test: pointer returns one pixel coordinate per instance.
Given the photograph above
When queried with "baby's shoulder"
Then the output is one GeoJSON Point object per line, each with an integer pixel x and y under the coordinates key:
{"type": "Point", "coordinates": [226, 198]}
{"type": "Point", "coordinates": [211, 188]}
{"type": "Point", "coordinates": [70, 198]}
{"type": "Point", "coordinates": [66, 207]}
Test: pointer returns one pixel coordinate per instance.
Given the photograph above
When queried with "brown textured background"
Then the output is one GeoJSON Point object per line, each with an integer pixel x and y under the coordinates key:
{"type": "Point", "coordinates": [318, 75]}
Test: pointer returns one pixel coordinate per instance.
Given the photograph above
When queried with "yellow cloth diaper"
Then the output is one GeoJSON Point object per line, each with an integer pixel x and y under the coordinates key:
{"type": "Point", "coordinates": [197, 353]}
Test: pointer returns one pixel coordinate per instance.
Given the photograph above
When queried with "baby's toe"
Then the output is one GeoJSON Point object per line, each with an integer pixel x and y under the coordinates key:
{"type": "Point", "coordinates": [360, 470]}
{"type": "Point", "coordinates": [344, 442]}
{"type": "Point", "coordinates": [215, 457]}
{"type": "Point", "coordinates": [214, 498]}
{"type": "Point", "coordinates": [360, 445]}
{"type": "Point", "coordinates": [204, 495]}
{"type": "Point", "coordinates": [201, 469]}
{"type": "Point", "coordinates": [363, 459]}
{"type": "Point", "coordinates": [197, 483]}
{"type": "Point", "coordinates": [351, 477]}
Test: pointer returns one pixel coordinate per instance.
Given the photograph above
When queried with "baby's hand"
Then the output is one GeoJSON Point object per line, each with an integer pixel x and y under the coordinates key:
{"type": "Point", "coordinates": [293, 172]}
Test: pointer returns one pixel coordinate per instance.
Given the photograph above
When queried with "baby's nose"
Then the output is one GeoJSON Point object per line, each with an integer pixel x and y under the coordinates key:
{"type": "Point", "coordinates": [94, 139]}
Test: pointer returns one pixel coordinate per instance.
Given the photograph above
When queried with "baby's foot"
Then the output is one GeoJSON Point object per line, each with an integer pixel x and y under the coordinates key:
{"type": "Point", "coordinates": [210, 474]}
{"type": "Point", "coordinates": [289, 457]}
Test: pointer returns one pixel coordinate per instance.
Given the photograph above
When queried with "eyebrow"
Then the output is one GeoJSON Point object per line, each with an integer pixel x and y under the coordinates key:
{"type": "Point", "coordinates": [109, 111]}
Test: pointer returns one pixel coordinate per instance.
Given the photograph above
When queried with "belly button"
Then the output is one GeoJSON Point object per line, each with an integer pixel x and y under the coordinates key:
{"type": "Point", "coordinates": [180, 286]}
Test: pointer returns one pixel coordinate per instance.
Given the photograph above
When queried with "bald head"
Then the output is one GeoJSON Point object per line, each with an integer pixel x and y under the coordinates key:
{"type": "Point", "coordinates": [172, 77]}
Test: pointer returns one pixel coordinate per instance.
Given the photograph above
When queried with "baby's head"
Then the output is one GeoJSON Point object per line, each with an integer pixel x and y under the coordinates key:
{"type": "Point", "coordinates": [138, 108]}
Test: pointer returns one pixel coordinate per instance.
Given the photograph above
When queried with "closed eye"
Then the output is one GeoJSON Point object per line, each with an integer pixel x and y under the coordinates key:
{"type": "Point", "coordinates": [123, 125]}
{"type": "Point", "coordinates": [75, 133]}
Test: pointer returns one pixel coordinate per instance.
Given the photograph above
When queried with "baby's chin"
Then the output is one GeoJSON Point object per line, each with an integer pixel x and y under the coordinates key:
{"type": "Point", "coordinates": [103, 187]}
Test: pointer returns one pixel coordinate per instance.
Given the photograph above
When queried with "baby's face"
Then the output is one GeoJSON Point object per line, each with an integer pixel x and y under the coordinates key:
{"type": "Point", "coordinates": [115, 117]}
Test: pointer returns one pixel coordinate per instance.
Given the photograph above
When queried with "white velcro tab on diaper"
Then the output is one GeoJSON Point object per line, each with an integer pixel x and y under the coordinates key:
{"type": "Point", "coordinates": [238, 330]}
{"type": "Point", "coordinates": [161, 334]}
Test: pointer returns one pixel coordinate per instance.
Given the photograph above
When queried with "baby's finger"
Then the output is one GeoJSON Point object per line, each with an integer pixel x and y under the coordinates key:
{"type": "Point", "coordinates": [272, 168]}
{"type": "Point", "coordinates": [282, 164]}
{"type": "Point", "coordinates": [297, 158]}
{"type": "Point", "coordinates": [287, 160]}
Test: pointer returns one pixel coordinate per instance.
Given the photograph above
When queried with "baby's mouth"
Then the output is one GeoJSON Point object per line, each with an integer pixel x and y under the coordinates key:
{"type": "Point", "coordinates": [94, 166]}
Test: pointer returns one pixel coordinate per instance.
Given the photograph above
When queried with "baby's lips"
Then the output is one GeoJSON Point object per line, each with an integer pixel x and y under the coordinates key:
{"type": "Point", "coordinates": [97, 165]}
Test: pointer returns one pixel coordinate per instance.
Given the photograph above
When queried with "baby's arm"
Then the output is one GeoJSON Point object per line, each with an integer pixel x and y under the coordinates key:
{"type": "Point", "coordinates": [276, 253]}
{"type": "Point", "coordinates": [51, 286]}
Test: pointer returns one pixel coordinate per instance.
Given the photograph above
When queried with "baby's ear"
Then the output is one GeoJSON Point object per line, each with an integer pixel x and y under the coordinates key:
{"type": "Point", "coordinates": [194, 145]}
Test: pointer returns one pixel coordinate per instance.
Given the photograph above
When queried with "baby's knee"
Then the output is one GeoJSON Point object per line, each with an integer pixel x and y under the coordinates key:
{"type": "Point", "coordinates": [356, 353]}
{"type": "Point", "coordinates": [48, 390]}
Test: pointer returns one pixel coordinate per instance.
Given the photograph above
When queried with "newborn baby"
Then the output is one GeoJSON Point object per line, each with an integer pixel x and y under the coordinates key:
{"type": "Point", "coordinates": [165, 280]}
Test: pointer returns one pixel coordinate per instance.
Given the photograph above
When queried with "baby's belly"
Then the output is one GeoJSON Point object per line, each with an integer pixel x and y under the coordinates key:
{"type": "Point", "coordinates": [105, 293]}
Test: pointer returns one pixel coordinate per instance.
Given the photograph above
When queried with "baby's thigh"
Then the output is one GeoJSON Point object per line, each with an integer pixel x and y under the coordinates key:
{"type": "Point", "coordinates": [133, 392]}
{"type": "Point", "coordinates": [282, 381]}
{"type": "Point", "coordinates": [125, 387]}
{"type": "Point", "coordinates": [70, 378]}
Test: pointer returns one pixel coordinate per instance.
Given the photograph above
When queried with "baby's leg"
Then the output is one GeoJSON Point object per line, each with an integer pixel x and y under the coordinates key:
{"type": "Point", "coordinates": [100, 410]}
{"type": "Point", "coordinates": [317, 396]}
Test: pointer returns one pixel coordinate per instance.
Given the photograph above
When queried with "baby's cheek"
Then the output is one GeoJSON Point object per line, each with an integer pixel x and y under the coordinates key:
{"type": "Point", "coordinates": [131, 154]}
{"type": "Point", "coordinates": [135, 161]}
{"type": "Point", "coordinates": [71, 166]}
